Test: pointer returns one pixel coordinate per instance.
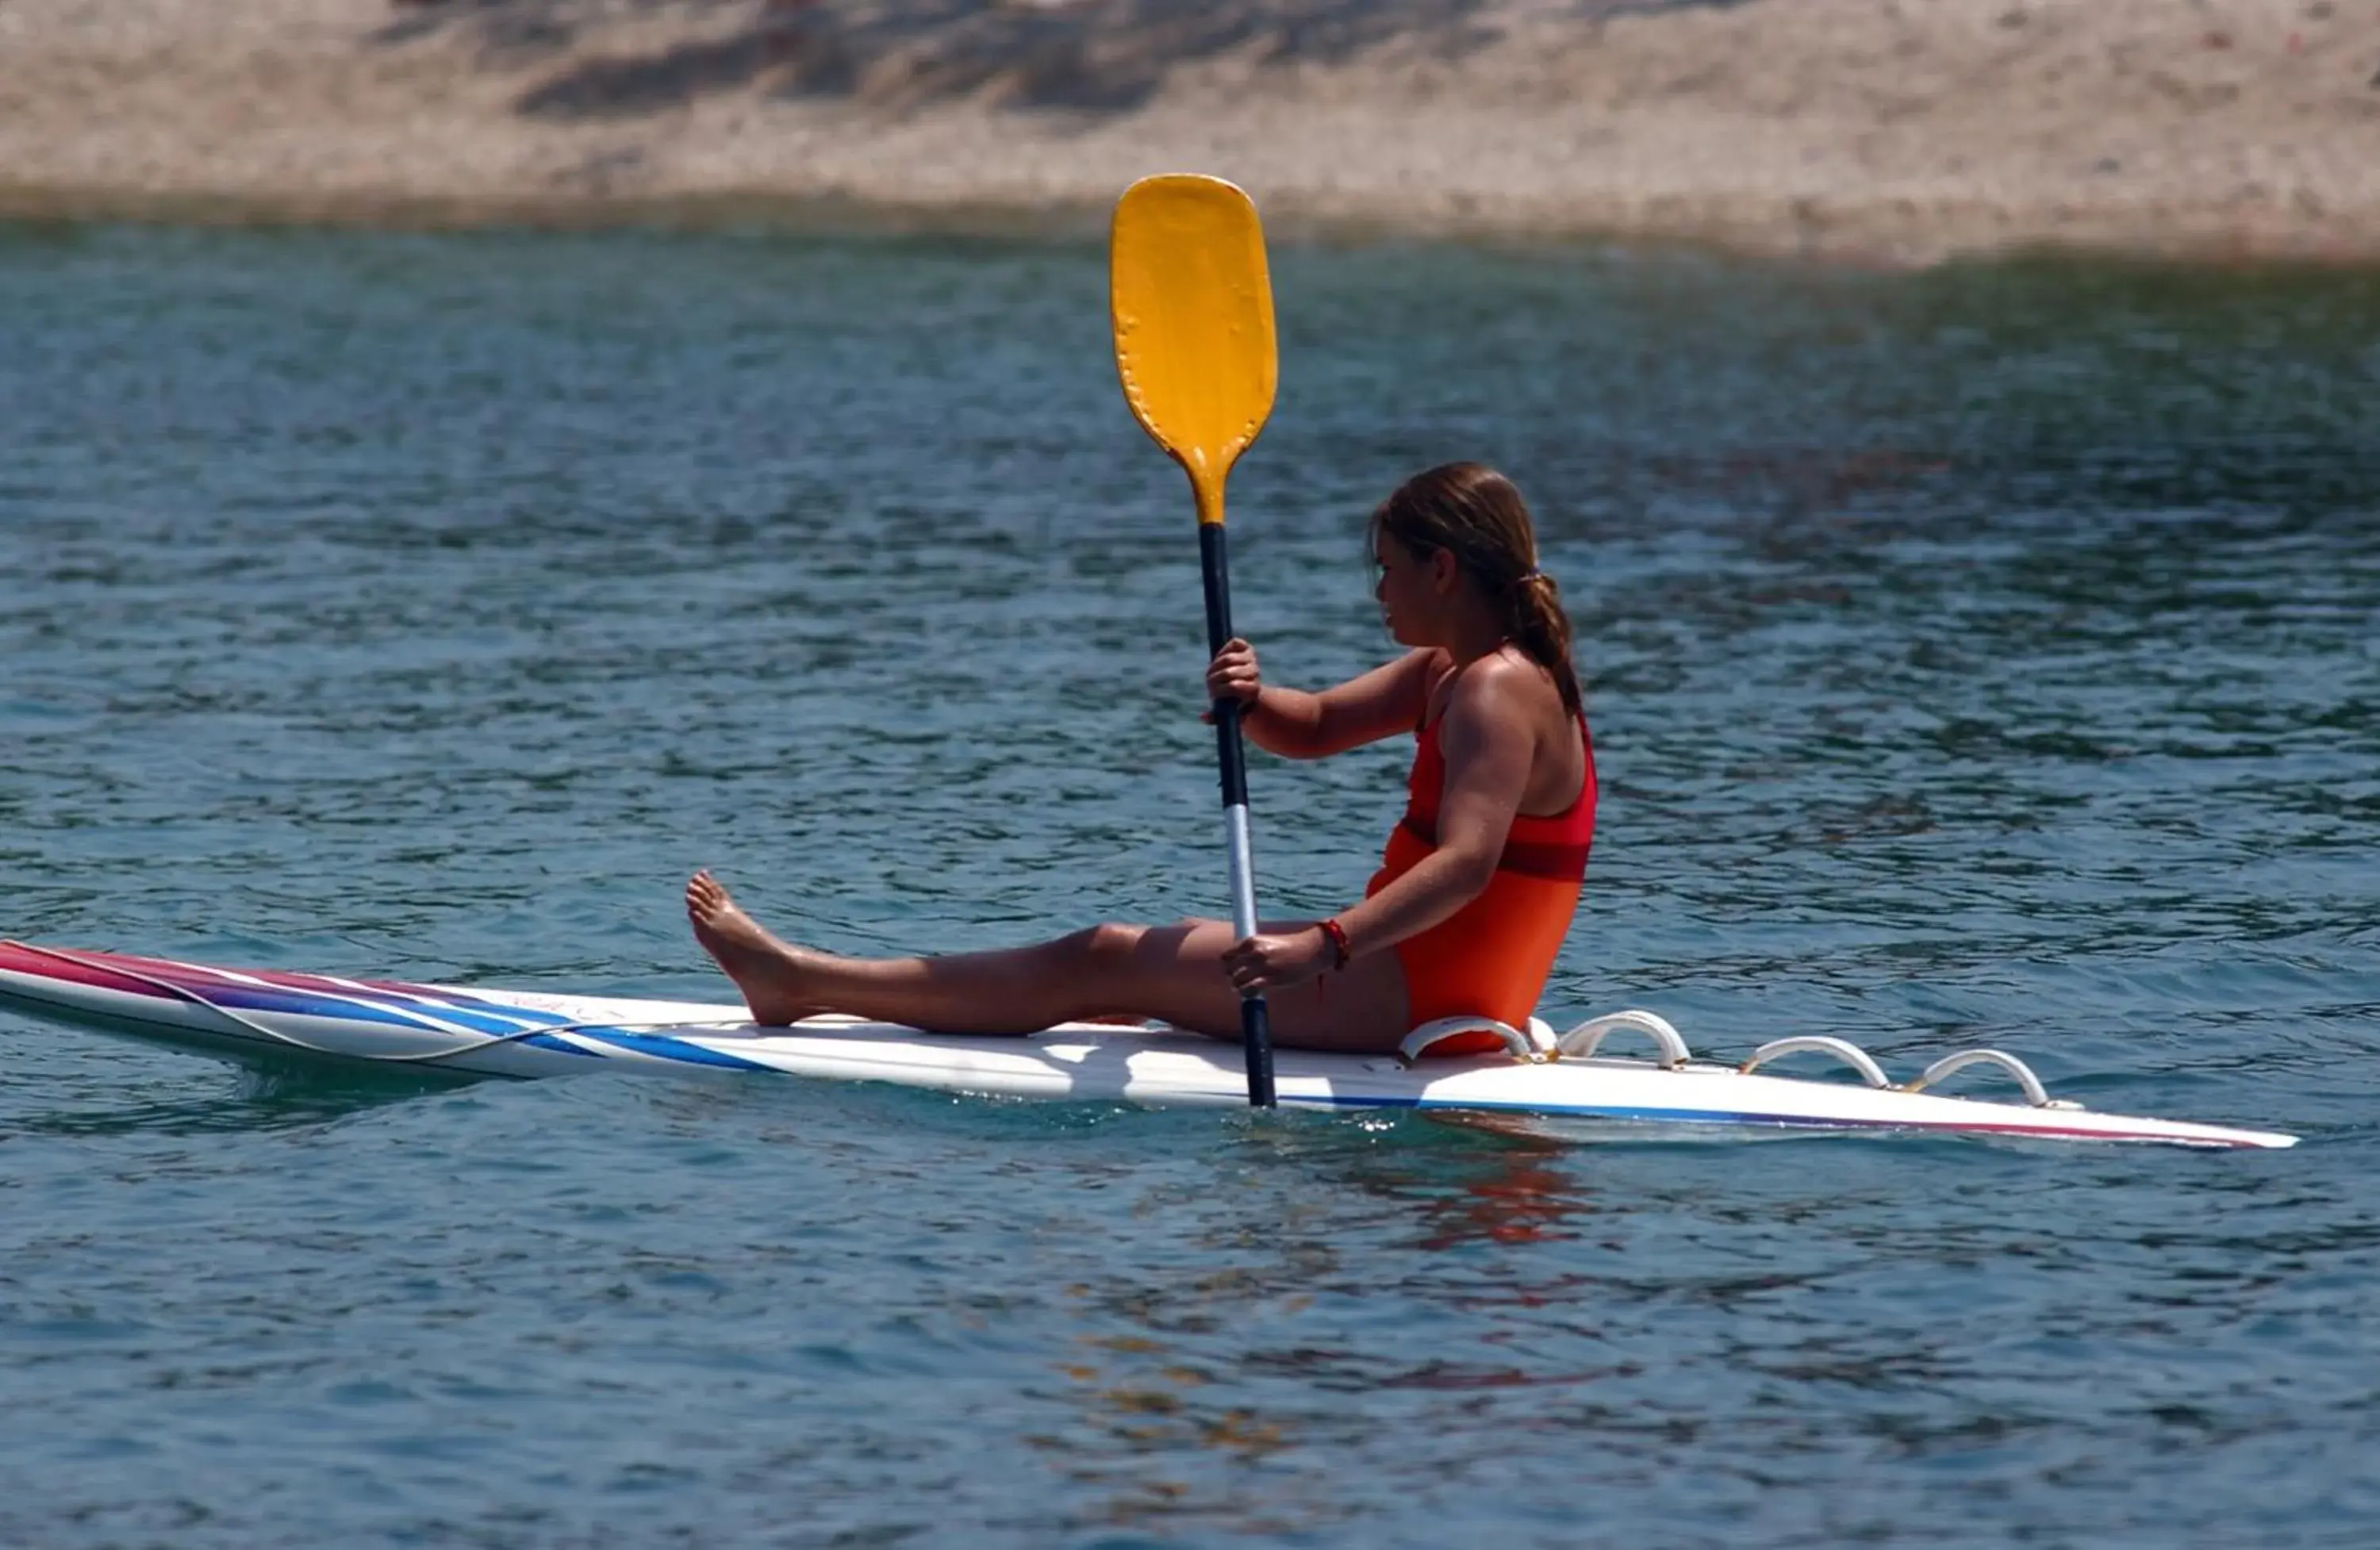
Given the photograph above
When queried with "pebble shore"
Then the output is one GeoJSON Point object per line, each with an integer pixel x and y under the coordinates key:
{"type": "Point", "coordinates": [1886, 131]}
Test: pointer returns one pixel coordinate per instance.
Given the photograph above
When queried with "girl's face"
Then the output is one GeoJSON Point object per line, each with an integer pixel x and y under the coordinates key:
{"type": "Point", "coordinates": [1409, 588]}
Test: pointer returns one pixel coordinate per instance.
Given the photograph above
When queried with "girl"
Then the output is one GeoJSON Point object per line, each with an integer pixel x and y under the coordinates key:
{"type": "Point", "coordinates": [1471, 903]}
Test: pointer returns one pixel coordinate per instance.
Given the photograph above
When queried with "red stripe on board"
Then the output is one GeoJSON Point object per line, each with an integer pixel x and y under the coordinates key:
{"type": "Point", "coordinates": [79, 967]}
{"type": "Point", "coordinates": [83, 968]}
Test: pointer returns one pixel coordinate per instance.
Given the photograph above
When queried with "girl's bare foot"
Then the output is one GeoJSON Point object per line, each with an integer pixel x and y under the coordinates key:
{"type": "Point", "coordinates": [768, 973]}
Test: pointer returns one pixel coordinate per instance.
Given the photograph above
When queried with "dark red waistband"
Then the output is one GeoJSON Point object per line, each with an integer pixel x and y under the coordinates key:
{"type": "Point", "coordinates": [1561, 861]}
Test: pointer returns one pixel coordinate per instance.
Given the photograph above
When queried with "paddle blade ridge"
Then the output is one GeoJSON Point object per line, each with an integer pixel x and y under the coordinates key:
{"type": "Point", "coordinates": [1191, 302]}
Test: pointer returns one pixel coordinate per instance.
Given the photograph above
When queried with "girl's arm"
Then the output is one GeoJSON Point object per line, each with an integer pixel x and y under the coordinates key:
{"type": "Point", "coordinates": [1488, 748]}
{"type": "Point", "coordinates": [1302, 725]}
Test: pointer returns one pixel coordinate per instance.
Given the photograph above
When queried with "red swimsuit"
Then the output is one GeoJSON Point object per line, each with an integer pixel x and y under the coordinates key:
{"type": "Point", "coordinates": [1491, 957]}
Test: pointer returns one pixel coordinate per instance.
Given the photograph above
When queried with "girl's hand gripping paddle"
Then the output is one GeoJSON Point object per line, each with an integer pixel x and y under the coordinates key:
{"type": "Point", "coordinates": [1192, 307]}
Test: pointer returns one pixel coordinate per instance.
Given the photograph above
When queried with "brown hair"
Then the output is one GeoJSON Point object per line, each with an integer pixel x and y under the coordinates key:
{"type": "Point", "coordinates": [1475, 514]}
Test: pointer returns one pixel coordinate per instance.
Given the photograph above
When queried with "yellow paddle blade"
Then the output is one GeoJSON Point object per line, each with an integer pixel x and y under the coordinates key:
{"type": "Point", "coordinates": [1192, 307]}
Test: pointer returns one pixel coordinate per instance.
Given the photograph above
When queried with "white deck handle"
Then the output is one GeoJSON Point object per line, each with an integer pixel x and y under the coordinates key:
{"type": "Point", "coordinates": [1581, 1043]}
{"type": "Point", "coordinates": [1844, 1050]}
{"type": "Point", "coordinates": [2035, 1093]}
{"type": "Point", "coordinates": [1518, 1045]}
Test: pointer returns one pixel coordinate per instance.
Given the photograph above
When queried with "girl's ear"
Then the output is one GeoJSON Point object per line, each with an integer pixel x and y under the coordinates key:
{"type": "Point", "coordinates": [1442, 570]}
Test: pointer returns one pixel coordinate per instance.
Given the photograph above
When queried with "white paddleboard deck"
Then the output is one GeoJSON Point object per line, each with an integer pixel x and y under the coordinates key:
{"type": "Point", "coordinates": [526, 1033]}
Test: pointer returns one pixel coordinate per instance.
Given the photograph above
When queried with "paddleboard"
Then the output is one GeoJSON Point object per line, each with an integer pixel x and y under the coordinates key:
{"type": "Point", "coordinates": [533, 1034]}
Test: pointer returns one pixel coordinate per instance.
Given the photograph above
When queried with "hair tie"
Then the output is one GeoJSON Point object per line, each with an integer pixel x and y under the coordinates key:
{"type": "Point", "coordinates": [1532, 574]}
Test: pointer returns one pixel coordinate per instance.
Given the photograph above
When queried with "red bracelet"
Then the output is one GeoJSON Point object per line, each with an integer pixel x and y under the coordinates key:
{"type": "Point", "coordinates": [1336, 935]}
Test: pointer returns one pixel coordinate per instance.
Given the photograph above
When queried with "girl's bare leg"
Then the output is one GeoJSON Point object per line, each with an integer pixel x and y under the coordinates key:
{"type": "Point", "coordinates": [1171, 972]}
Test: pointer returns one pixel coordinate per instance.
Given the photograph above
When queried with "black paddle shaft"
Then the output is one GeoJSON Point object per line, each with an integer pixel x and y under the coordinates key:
{"type": "Point", "coordinates": [1231, 757]}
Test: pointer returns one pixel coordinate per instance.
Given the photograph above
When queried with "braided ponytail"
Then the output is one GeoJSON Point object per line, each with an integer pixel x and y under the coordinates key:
{"type": "Point", "coordinates": [1476, 514]}
{"type": "Point", "coordinates": [1541, 629]}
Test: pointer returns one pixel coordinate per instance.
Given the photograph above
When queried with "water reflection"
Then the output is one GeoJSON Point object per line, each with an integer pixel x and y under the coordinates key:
{"type": "Point", "coordinates": [266, 1093]}
{"type": "Point", "coordinates": [1414, 1190]}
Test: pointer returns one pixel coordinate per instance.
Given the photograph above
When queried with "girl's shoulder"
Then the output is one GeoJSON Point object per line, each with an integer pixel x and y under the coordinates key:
{"type": "Point", "coordinates": [1505, 688]}
{"type": "Point", "coordinates": [1501, 675]}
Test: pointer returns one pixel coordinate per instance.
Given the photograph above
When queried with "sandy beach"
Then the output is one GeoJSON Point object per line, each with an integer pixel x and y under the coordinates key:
{"type": "Point", "coordinates": [1893, 131]}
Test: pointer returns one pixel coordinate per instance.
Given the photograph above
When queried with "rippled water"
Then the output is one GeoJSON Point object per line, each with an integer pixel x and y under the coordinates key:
{"type": "Point", "coordinates": [1981, 657]}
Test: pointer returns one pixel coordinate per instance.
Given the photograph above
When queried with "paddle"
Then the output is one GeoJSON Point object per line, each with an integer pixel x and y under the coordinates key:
{"type": "Point", "coordinates": [1192, 307]}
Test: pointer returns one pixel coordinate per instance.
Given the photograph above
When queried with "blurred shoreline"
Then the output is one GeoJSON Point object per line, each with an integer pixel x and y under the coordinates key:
{"type": "Point", "coordinates": [1860, 130]}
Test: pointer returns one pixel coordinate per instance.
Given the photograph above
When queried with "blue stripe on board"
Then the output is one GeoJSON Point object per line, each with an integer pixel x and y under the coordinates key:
{"type": "Point", "coordinates": [1666, 1116]}
{"type": "Point", "coordinates": [559, 1044]}
{"type": "Point", "coordinates": [352, 1007]}
{"type": "Point", "coordinates": [1774, 1121]}
{"type": "Point", "coordinates": [1585, 1111]}
{"type": "Point", "coordinates": [663, 1046]}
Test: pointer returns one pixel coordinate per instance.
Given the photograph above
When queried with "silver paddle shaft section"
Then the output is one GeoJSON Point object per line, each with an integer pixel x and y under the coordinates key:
{"type": "Point", "coordinates": [1255, 1019]}
{"type": "Point", "coordinates": [1244, 871]}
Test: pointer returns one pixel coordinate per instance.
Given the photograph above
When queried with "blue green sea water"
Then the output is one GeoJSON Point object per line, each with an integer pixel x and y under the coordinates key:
{"type": "Point", "coordinates": [1983, 656]}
